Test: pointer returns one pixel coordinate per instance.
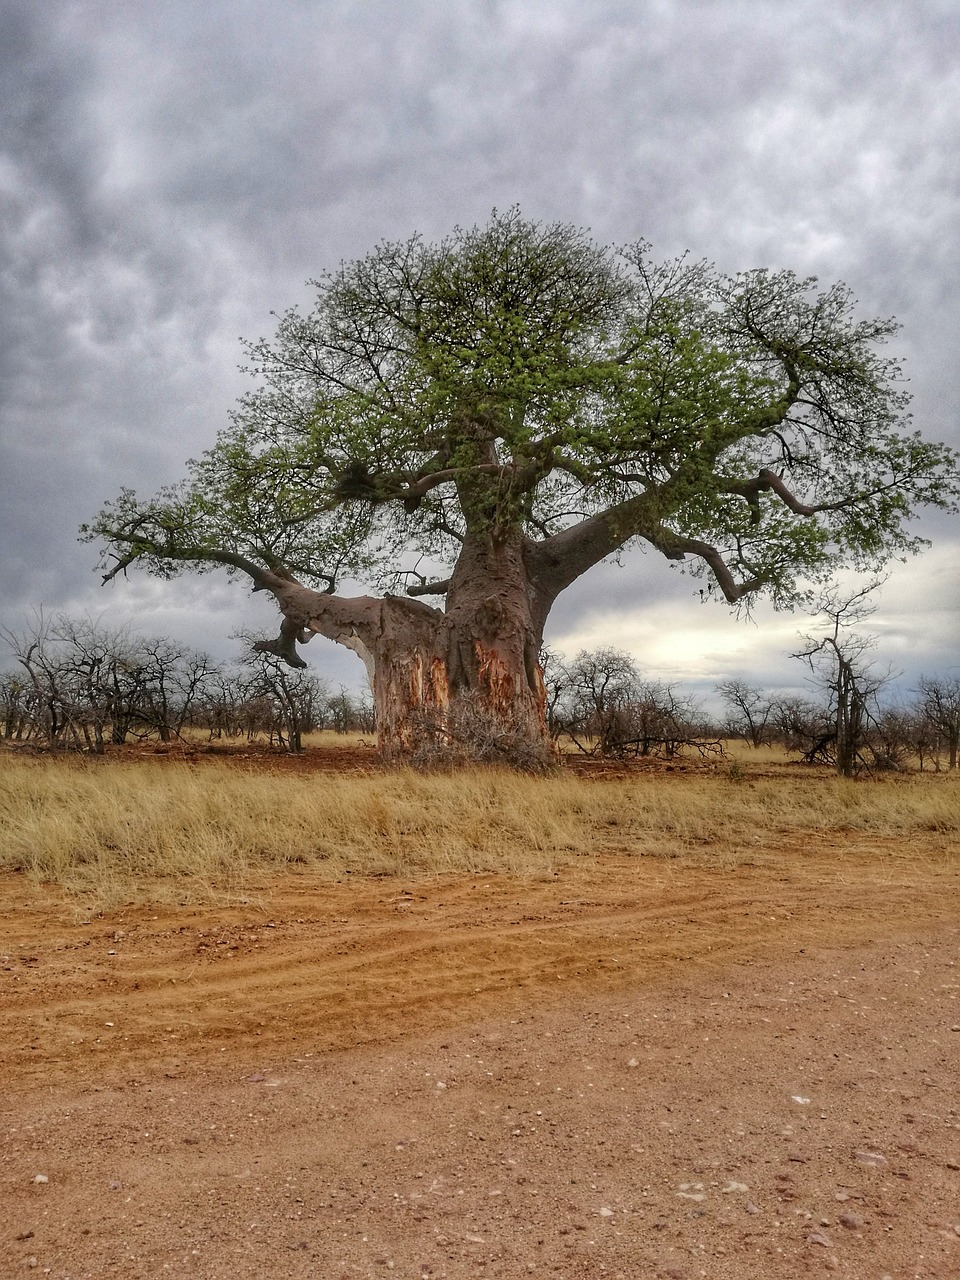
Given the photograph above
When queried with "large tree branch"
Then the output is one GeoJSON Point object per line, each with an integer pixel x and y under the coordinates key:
{"type": "Point", "coordinates": [262, 578]}
{"type": "Point", "coordinates": [768, 481]}
{"type": "Point", "coordinates": [285, 645]}
{"type": "Point", "coordinates": [408, 487]}
{"type": "Point", "coordinates": [556, 562]}
{"type": "Point", "coordinates": [561, 559]}
{"type": "Point", "coordinates": [675, 547]}
{"type": "Point", "coordinates": [355, 622]}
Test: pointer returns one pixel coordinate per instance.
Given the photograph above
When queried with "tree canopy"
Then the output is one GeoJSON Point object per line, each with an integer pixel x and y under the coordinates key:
{"type": "Point", "coordinates": [518, 386]}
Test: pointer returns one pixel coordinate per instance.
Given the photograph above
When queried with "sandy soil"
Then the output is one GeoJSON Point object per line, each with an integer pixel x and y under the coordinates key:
{"type": "Point", "coordinates": [630, 1069]}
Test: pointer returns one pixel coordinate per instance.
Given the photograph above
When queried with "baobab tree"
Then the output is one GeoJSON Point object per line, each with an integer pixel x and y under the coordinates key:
{"type": "Point", "coordinates": [508, 408]}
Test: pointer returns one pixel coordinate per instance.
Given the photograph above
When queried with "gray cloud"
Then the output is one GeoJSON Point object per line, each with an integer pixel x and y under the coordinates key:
{"type": "Point", "coordinates": [174, 172]}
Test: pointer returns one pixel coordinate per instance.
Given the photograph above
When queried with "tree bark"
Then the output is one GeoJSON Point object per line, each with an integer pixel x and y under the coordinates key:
{"type": "Point", "coordinates": [453, 686]}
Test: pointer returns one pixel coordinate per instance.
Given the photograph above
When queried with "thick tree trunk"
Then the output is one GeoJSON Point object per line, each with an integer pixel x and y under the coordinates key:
{"type": "Point", "coordinates": [470, 686]}
{"type": "Point", "coordinates": [454, 686]}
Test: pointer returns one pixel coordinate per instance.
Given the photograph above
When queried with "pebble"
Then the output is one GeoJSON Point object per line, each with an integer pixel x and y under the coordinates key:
{"type": "Point", "coordinates": [40, 1177]}
{"type": "Point", "coordinates": [750, 1207]}
{"type": "Point", "coordinates": [821, 1238]}
{"type": "Point", "coordinates": [871, 1157]}
{"type": "Point", "coordinates": [852, 1221]}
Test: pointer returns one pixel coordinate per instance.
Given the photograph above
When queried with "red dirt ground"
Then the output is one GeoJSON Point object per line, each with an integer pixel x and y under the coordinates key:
{"type": "Point", "coordinates": [631, 1069]}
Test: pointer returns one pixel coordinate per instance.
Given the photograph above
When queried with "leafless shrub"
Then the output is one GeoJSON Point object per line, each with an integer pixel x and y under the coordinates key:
{"type": "Point", "coordinates": [602, 704]}
{"type": "Point", "coordinates": [751, 713]}
{"type": "Point", "coordinates": [468, 735]}
{"type": "Point", "coordinates": [940, 708]}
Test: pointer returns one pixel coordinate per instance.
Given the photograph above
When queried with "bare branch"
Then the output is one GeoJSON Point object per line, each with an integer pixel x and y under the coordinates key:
{"type": "Point", "coordinates": [675, 547]}
{"type": "Point", "coordinates": [285, 645]}
{"type": "Point", "coordinates": [429, 588]}
{"type": "Point", "coordinates": [264, 579]}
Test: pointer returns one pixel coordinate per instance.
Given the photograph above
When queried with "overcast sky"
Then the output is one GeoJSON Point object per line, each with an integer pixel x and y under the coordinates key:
{"type": "Point", "coordinates": [171, 173]}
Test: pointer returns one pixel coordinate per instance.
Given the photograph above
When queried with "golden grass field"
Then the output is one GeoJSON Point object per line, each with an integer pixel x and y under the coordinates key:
{"type": "Point", "coordinates": [112, 831]}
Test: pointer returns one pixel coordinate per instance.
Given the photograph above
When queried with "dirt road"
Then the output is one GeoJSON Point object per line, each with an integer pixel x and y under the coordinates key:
{"type": "Point", "coordinates": [629, 1069]}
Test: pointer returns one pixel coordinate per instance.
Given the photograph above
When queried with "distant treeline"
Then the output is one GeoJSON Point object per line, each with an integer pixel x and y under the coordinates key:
{"type": "Point", "coordinates": [77, 684]}
{"type": "Point", "coordinates": [601, 703]}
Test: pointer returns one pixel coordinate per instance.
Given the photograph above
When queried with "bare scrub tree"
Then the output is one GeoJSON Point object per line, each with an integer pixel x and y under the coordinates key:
{"type": "Point", "coordinates": [219, 704]}
{"type": "Point", "coordinates": [105, 676]}
{"type": "Point", "coordinates": [187, 687]}
{"type": "Point", "coordinates": [554, 674]}
{"type": "Point", "coordinates": [663, 720]}
{"type": "Point", "coordinates": [595, 693]}
{"type": "Point", "coordinates": [750, 712]}
{"type": "Point", "coordinates": [16, 710]}
{"type": "Point", "coordinates": [86, 684]}
{"type": "Point", "coordinates": [513, 406]}
{"type": "Point", "coordinates": [940, 706]}
{"type": "Point", "coordinates": [345, 712]}
{"type": "Point", "coordinates": [840, 667]}
{"type": "Point", "coordinates": [58, 679]}
{"type": "Point", "coordinates": [804, 727]}
{"type": "Point", "coordinates": [926, 741]}
{"type": "Point", "coordinates": [605, 707]}
{"type": "Point", "coordinates": [282, 702]}
{"type": "Point", "coordinates": [892, 738]}
{"type": "Point", "coordinates": [44, 695]}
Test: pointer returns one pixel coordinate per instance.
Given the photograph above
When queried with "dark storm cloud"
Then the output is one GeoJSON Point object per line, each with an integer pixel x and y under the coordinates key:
{"type": "Point", "coordinates": [173, 172]}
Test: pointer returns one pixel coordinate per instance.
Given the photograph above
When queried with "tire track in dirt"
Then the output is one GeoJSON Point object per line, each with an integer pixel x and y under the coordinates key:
{"type": "Point", "coordinates": [335, 965]}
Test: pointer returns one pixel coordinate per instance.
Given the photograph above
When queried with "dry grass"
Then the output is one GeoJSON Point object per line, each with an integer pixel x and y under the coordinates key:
{"type": "Point", "coordinates": [737, 749]}
{"type": "Point", "coordinates": [316, 740]}
{"type": "Point", "coordinates": [122, 832]}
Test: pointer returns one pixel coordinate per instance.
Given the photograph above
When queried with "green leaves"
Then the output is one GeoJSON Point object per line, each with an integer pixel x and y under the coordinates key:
{"type": "Point", "coordinates": [517, 374]}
